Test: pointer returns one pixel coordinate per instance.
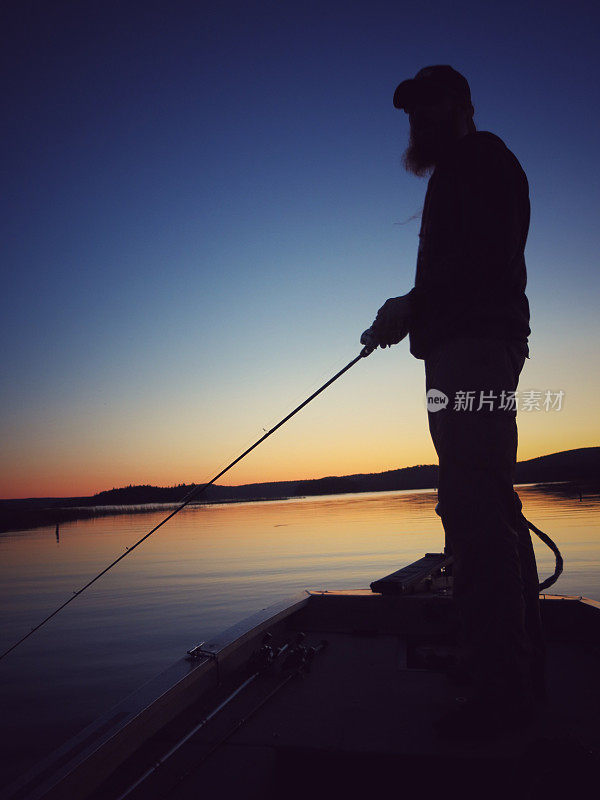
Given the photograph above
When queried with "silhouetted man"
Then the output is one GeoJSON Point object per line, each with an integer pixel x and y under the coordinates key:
{"type": "Point", "coordinates": [468, 319]}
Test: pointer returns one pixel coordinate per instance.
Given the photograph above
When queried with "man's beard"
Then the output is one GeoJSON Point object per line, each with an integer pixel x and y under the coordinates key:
{"type": "Point", "coordinates": [426, 147]}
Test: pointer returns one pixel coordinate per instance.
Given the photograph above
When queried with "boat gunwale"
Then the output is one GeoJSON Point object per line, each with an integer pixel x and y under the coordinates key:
{"type": "Point", "coordinates": [140, 710]}
{"type": "Point", "coordinates": [158, 701]}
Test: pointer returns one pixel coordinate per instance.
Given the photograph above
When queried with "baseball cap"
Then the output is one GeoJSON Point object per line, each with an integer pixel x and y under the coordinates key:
{"type": "Point", "coordinates": [430, 84]}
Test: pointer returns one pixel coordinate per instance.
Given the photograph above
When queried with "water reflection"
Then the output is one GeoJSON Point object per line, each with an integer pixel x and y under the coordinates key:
{"type": "Point", "coordinates": [207, 568]}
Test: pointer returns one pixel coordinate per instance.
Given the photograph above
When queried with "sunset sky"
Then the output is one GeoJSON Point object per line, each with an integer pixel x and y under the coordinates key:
{"type": "Point", "coordinates": [204, 206]}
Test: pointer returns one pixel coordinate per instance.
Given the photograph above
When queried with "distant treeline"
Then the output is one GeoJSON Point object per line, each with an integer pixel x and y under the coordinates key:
{"type": "Point", "coordinates": [579, 468]}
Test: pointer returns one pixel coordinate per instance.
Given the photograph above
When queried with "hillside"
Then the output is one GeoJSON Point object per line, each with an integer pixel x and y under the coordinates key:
{"type": "Point", "coordinates": [580, 468]}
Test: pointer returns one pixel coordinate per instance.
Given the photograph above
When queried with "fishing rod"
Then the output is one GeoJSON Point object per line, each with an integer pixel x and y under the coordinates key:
{"type": "Point", "coordinates": [296, 663]}
{"type": "Point", "coordinates": [366, 351]}
{"type": "Point", "coordinates": [369, 341]}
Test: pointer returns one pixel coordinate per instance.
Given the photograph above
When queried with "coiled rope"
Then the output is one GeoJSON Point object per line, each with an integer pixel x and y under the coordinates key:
{"type": "Point", "coordinates": [558, 568]}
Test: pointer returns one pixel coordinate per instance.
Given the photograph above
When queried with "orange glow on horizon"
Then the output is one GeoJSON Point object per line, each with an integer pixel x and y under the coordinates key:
{"type": "Point", "coordinates": [255, 470]}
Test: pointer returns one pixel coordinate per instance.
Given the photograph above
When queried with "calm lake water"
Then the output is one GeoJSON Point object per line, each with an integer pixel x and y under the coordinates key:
{"type": "Point", "coordinates": [204, 570]}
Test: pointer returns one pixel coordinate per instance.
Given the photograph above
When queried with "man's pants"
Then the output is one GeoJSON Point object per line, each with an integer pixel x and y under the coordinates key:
{"type": "Point", "coordinates": [495, 575]}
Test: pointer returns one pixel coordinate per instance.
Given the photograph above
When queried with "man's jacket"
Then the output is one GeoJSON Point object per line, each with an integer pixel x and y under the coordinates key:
{"type": "Point", "coordinates": [471, 274]}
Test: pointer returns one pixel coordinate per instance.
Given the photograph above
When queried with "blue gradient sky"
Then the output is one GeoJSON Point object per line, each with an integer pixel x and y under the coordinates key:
{"type": "Point", "coordinates": [204, 206]}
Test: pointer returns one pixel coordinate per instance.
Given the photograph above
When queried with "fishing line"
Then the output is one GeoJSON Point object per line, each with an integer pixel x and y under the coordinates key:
{"type": "Point", "coordinates": [367, 350]}
{"type": "Point", "coordinates": [196, 490]}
